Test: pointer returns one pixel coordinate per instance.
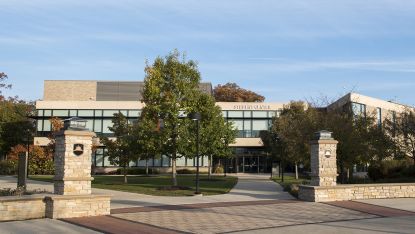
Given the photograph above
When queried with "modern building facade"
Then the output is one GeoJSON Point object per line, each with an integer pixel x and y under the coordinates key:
{"type": "Point", "coordinates": [97, 101]}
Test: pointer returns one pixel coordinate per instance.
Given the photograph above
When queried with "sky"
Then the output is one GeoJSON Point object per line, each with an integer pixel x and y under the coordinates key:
{"type": "Point", "coordinates": [282, 49]}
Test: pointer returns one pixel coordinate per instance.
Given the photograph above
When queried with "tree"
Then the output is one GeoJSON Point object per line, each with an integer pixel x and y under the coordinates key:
{"type": "Point", "coordinates": [272, 147]}
{"type": "Point", "coordinates": [14, 123]}
{"type": "Point", "coordinates": [57, 125]}
{"type": "Point", "coordinates": [402, 128]}
{"type": "Point", "coordinates": [124, 148]}
{"type": "Point", "coordinates": [231, 92]}
{"type": "Point", "coordinates": [3, 84]}
{"type": "Point", "coordinates": [150, 145]}
{"type": "Point", "coordinates": [215, 133]}
{"type": "Point", "coordinates": [295, 127]}
{"type": "Point", "coordinates": [171, 88]}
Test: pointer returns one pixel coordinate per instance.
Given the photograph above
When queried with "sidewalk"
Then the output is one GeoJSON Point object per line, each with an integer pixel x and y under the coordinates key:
{"type": "Point", "coordinates": [250, 187]}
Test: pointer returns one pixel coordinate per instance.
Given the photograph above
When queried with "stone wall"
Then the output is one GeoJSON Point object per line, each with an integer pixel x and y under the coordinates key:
{"type": "Point", "coordinates": [59, 207]}
{"type": "Point", "coordinates": [54, 207]}
{"type": "Point", "coordinates": [22, 208]}
{"type": "Point", "coordinates": [356, 192]}
{"type": "Point", "coordinates": [72, 172]}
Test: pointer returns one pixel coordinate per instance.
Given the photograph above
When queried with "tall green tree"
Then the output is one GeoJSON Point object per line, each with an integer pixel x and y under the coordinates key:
{"type": "Point", "coordinates": [171, 88]}
{"type": "Point", "coordinates": [295, 127]}
{"type": "Point", "coordinates": [124, 147]}
{"type": "Point", "coordinates": [402, 128]}
{"type": "Point", "coordinates": [215, 133]}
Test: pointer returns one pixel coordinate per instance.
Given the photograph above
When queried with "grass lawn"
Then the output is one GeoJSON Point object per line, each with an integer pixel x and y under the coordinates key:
{"type": "Point", "coordinates": [150, 185]}
{"type": "Point", "coordinates": [290, 184]}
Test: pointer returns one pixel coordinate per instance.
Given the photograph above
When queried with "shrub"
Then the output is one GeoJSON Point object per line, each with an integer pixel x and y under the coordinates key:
{"type": "Point", "coordinates": [136, 171]}
{"type": "Point", "coordinates": [8, 167]}
{"type": "Point", "coordinates": [218, 169]}
{"type": "Point", "coordinates": [389, 169]}
{"type": "Point", "coordinates": [185, 171]}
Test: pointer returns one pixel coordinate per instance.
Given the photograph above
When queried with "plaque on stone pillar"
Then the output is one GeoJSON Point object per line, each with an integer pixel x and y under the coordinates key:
{"type": "Point", "coordinates": [323, 159]}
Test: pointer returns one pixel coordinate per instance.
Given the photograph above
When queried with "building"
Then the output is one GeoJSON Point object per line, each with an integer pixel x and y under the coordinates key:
{"type": "Point", "coordinates": [97, 101]}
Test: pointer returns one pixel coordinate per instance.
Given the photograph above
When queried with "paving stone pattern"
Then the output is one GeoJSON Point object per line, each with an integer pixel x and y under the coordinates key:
{"type": "Point", "coordinates": [239, 218]}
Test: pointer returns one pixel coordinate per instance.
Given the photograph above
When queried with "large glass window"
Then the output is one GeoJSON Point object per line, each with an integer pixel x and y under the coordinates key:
{"type": "Point", "coordinates": [105, 124]}
{"type": "Point", "coordinates": [47, 112]}
{"type": "Point", "coordinates": [98, 113]}
{"type": "Point", "coordinates": [90, 124]}
{"type": "Point", "coordinates": [259, 114]}
{"type": "Point", "coordinates": [247, 114]}
{"type": "Point", "coordinates": [225, 114]}
{"type": "Point", "coordinates": [46, 125]}
{"type": "Point", "coordinates": [247, 128]}
{"type": "Point", "coordinates": [39, 112]}
{"type": "Point", "coordinates": [239, 125]}
{"type": "Point", "coordinates": [73, 113]}
{"type": "Point", "coordinates": [259, 125]}
{"type": "Point", "coordinates": [60, 113]}
{"type": "Point", "coordinates": [235, 114]}
{"type": "Point", "coordinates": [110, 113]}
{"type": "Point", "coordinates": [134, 113]}
{"type": "Point", "coordinates": [39, 125]}
{"type": "Point", "coordinates": [98, 125]}
{"type": "Point", "coordinates": [86, 113]}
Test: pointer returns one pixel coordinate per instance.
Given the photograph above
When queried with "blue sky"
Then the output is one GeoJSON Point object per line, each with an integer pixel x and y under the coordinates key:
{"type": "Point", "coordinates": [283, 49]}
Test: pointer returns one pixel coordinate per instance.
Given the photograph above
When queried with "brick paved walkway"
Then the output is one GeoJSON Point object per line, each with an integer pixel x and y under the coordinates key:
{"type": "Point", "coordinates": [226, 217]}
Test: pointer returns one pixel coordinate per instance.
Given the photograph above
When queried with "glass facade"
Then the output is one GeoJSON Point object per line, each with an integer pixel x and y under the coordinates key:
{"type": "Point", "coordinates": [248, 123]}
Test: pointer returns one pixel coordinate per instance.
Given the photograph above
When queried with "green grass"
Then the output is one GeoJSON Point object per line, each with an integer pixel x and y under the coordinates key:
{"type": "Point", "coordinates": [150, 185]}
{"type": "Point", "coordinates": [290, 184]}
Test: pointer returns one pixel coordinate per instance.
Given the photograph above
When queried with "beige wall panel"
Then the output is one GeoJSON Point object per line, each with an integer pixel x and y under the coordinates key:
{"type": "Point", "coordinates": [59, 90]}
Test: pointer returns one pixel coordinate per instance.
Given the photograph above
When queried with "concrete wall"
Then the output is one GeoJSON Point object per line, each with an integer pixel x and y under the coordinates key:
{"type": "Point", "coordinates": [356, 192]}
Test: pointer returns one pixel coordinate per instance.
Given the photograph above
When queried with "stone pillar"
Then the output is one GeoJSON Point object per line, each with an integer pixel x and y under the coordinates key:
{"type": "Point", "coordinates": [323, 160]}
{"type": "Point", "coordinates": [72, 157]}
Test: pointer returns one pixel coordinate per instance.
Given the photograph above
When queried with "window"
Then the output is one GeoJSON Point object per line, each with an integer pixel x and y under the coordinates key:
{"type": "Point", "coordinates": [73, 113]}
{"type": "Point", "coordinates": [39, 125]}
{"type": "Point", "coordinates": [259, 114]}
{"type": "Point", "coordinates": [85, 113]}
{"type": "Point", "coordinates": [247, 114]}
{"type": "Point", "coordinates": [47, 112]}
{"type": "Point", "coordinates": [105, 124]}
{"type": "Point", "coordinates": [239, 125]}
{"type": "Point", "coordinates": [235, 114]}
{"type": "Point", "coordinates": [379, 116]}
{"type": "Point", "coordinates": [46, 125]}
{"type": "Point", "coordinates": [98, 113]}
{"type": "Point", "coordinates": [39, 112]}
{"type": "Point", "coordinates": [358, 109]}
{"type": "Point", "coordinates": [257, 126]}
{"type": "Point", "coordinates": [98, 125]}
{"type": "Point", "coordinates": [110, 113]}
{"type": "Point", "coordinates": [247, 128]}
{"type": "Point", "coordinates": [90, 124]}
{"type": "Point", "coordinates": [134, 113]}
{"type": "Point", "coordinates": [224, 114]}
{"type": "Point", "coordinates": [60, 113]}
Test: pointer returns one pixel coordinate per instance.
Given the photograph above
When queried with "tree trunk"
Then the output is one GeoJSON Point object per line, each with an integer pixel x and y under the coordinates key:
{"type": "Point", "coordinates": [147, 167]}
{"type": "Point", "coordinates": [173, 171]}
{"type": "Point", "coordinates": [125, 174]}
{"type": "Point", "coordinates": [296, 171]}
{"type": "Point", "coordinates": [209, 167]}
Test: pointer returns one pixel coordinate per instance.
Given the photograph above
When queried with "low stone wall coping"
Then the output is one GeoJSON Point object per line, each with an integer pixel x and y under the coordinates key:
{"type": "Point", "coordinates": [343, 186]}
{"type": "Point", "coordinates": [75, 179]}
{"type": "Point", "coordinates": [22, 198]}
{"type": "Point", "coordinates": [71, 197]}
{"type": "Point", "coordinates": [75, 133]}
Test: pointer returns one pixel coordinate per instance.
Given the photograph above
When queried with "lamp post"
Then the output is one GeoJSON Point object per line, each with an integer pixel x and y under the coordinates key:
{"type": "Point", "coordinates": [196, 117]}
